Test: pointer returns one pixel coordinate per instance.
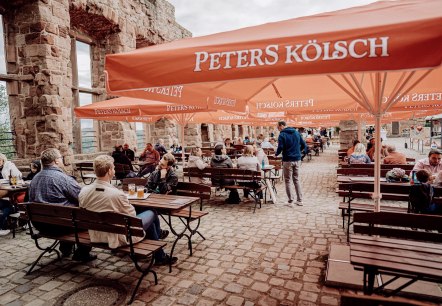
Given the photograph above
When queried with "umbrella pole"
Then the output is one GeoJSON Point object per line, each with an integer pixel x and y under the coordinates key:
{"type": "Point", "coordinates": [377, 165]}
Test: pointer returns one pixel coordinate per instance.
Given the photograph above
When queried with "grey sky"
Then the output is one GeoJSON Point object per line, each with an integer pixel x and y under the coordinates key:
{"type": "Point", "coordinates": [203, 17]}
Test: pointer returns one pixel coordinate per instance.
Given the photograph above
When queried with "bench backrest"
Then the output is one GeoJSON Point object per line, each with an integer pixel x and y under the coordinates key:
{"type": "Point", "coordinates": [361, 171]}
{"type": "Point", "coordinates": [193, 189]}
{"type": "Point", "coordinates": [383, 166]}
{"type": "Point", "coordinates": [390, 191]}
{"type": "Point", "coordinates": [399, 225]}
{"type": "Point", "coordinates": [82, 219]}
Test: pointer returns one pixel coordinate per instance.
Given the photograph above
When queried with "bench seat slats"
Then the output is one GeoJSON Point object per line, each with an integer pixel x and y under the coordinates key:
{"type": "Point", "coordinates": [398, 243]}
{"type": "Point", "coordinates": [394, 252]}
{"type": "Point", "coordinates": [423, 271]}
{"type": "Point", "coordinates": [184, 213]}
{"type": "Point", "coordinates": [397, 258]}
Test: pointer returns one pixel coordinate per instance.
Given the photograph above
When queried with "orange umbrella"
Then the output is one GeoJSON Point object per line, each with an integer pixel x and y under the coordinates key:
{"type": "Point", "coordinates": [270, 62]}
{"type": "Point", "coordinates": [382, 36]}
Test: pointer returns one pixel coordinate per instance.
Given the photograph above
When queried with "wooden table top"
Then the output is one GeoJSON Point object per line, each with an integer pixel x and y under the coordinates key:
{"type": "Point", "coordinates": [397, 255]}
{"type": "Point", "coordinates": [21, 187]}
{"type": "Point", "coordinates": [165, 202]}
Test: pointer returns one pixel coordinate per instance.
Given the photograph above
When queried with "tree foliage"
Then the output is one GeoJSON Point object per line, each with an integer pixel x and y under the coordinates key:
{"type": "Point", "coordinates": [6, 142]}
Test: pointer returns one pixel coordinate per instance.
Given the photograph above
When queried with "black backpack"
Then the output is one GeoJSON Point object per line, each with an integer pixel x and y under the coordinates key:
{"type": "Point", "coordinates": [421, 196]}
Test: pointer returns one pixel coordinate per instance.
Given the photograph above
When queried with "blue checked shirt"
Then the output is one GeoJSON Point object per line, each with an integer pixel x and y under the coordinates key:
{"type": "Point", "coordinates": [52, 185]}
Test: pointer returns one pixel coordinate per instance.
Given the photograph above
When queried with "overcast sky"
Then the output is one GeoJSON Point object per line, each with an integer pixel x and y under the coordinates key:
{"type": "Point", "coordinates": [202, 17]}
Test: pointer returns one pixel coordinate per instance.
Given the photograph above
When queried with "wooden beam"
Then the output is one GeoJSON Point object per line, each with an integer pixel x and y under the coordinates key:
{"type": "Point", "coordinates": [95, 91]}
{"type": "Point", "coordinates": [16, 77]}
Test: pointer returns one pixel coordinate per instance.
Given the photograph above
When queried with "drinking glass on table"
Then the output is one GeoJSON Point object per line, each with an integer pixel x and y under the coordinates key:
{"type": "Point", "coordinates": [140, 192]}
{"type": "Point", "coordinates": [131, 188]}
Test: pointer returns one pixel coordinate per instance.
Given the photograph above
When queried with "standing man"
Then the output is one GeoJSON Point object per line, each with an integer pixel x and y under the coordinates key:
{"type": "Point", "coordinates": [290, 144]}
{"type": "Point", "coordinates": [51, 185]}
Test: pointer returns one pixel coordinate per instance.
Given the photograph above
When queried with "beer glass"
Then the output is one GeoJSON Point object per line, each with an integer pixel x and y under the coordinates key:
{"type": "Point", "coordinates": [131, 188]}
{"type": "Point", "coordinates": [140, 192]}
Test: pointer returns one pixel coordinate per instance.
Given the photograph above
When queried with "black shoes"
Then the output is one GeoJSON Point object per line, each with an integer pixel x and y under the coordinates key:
{"type": "Point", "coordinates": [166, 260]}
{"type": "Point", "coordinates": [84, 258]}
{"type": "Point", "coordinates": [164, 234]}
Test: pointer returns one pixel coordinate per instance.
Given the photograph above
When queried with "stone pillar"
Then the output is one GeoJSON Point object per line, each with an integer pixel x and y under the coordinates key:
{"type": "Point", "coordinates": [348, 133]}
{"type": "Point", "coordinates": [40, 108]}
{"type": "Point", "coordinates": [192, 135]}
{"type": "Point", "coordinates": [166, 129]}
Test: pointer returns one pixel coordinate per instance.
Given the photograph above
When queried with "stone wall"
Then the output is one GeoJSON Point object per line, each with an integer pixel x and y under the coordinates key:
{"type": "Point", "coordinates": [39, 38]}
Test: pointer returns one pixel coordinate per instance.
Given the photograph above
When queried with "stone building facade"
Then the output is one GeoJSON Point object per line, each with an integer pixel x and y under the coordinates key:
{"type": "Point", "coordinates": [43, 78]}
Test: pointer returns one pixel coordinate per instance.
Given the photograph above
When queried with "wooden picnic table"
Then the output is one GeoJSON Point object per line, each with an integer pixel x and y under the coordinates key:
{"type": "Point", "coordinates": [165, 205]}
{"type": "Point", "coordinates": [411, 259]}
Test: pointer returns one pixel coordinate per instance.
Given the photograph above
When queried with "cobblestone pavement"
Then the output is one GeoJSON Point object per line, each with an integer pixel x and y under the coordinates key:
{"type": "Point", "coordinates": [276, 256]}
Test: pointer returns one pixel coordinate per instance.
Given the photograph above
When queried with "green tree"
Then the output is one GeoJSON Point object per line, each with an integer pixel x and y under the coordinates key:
{"type": "Point", "coordinates": [6, 142]}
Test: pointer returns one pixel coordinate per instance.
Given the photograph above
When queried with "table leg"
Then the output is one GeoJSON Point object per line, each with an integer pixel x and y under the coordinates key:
{"type": "Point", "coordinates": [369, 277]}
{"type": "Point", "coordinates": [177, 235]}
{"type": "Point", "coordinates": [271, 191]}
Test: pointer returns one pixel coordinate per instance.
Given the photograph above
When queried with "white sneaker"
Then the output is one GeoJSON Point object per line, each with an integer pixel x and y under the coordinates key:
{"type": "Point", "coordinates": [299, 203]}
{"type": "Point", "coordinates": [4, 232]}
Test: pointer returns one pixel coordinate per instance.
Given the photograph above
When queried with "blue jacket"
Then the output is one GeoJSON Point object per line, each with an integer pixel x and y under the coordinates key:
{"type": "Point", "coordinates": [290, 143]}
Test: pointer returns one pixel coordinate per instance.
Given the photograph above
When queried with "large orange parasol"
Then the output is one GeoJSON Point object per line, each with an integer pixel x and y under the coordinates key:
{"type": "Point", "coordinates": [362, 55]}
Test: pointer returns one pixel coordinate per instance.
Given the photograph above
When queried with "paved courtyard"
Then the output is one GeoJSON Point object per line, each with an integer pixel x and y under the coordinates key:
{"type": "Point", "coordinates": [276, 256]}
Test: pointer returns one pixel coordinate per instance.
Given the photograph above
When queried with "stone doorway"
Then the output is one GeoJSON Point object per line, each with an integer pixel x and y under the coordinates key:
{"type": "Point", "coordinates": [395, 128]}
{"type": "Point", "coordinates": [205, 133]}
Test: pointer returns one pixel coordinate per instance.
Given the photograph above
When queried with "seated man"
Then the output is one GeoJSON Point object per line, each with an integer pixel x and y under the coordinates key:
{"type": "Point", "coordinates": [51, 185]}
{"type": "Point", "coordinates": [394, 157]}
{"type": "Point", "coordinates": [159, 146]}
{"type": "Point", "coordinates": [163, 179]}
{"type": "Point", "coordinates": [433, 164]}
{"type": "Point", "coordinates": [151, 157]}
{"type": "Point", "coordinates": [102, 196]}
{"type": "Point", "coordinates": [120, 157]}
{"type": "Point", "coordinates": [128, 152]}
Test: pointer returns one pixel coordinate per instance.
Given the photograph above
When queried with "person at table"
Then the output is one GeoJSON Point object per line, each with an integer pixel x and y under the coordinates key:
{"type": "Point", "coordinates": [394, 157]}
{"type": "Point", "coordinates": [274, 143]}
{"type": "Point", "coordinates": [261, 155]}
{"type": "Point", "coordinates": [371, 151]}
{"type": "Point", "coordinates": [421, 195]}
{"type": "Point", "coordinates": [196, 161]}
{"type": "Point", "coordinates": [238, 141]}
{"type": "Point", "coordinates": [51, 185]}
{"type": "Point", "coordinates": [128, 152]}
{"type": "Point", "coordinates": [221, 160]}
{"type": "Point", "coordinates": [164, 179]}
{"type": "Point", "coordinates": [102, 196]}
{"type": "Point", "coordinates": [265, 144]}
{"type": "Point", "coordinates": [34, 167]}
{"type": "Point", "coordinates": [249, 161]}
{"type": "Point", "coordinates": [352, 148]}
{"type": "Point", "coordinates": [151, 157]}
{"type": "Point", "coordinates": [175, 147]}
{"type": "Point", "coordinates": [121, 158]}
{"type": "Point", "coordinates": [228, 143]}
{"type": "Point", "coordinates": [7, 168]}
{"type": "Point", "coordinates": [433, 163]}
{"type": "Point", "coordinates": [160, 148]}
{"type": "Point", "coordinates": [359, 155]}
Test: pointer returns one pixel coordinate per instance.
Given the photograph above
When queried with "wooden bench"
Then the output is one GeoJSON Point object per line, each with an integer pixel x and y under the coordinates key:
{"type": "Point", "coordinates": [237, 175]}
{"type": "Point", "coordinates": [354, 190]}
{"type": "Point", "coordinates": [361, 171]}
{"type": "Point", "coordinates": [79, 221]}
{"type": "Point", "coordinates": [86, 170]}
{"type": "Point", "coordinates": [406, 167]}
{"type": "Point", "coordinates": [401, 245]}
